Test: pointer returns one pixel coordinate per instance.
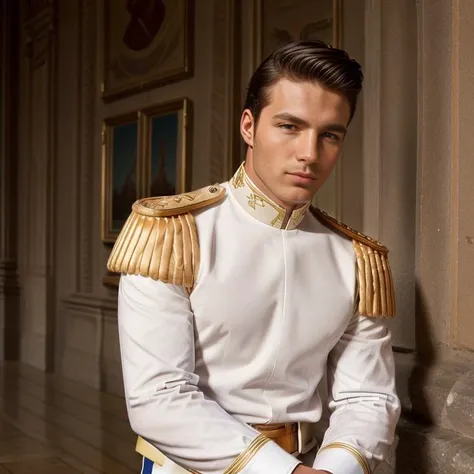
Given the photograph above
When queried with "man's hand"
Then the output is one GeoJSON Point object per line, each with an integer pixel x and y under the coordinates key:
{"type": "Point", "coordinates": [308, 470]}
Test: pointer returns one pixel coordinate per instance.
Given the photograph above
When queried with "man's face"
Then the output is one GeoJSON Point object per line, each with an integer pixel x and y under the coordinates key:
{"type": "Point", "coordinates": [297, 140]}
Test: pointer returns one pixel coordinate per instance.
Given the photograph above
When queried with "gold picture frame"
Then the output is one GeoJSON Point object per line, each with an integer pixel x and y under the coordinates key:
{"type": "Point", "coordinates": [167, 142]}
{"type": "Point", "coordinates": [145, 153]}
{"type": "Point", "coordinates": [121, 171]}
{"type": "Point", "coordinates": [307, 31]}
{"type": "Point", "coordinates": [145, 45]}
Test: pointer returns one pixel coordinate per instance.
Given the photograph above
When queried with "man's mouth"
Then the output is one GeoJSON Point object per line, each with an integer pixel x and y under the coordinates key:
{"type": "Point", "coordinates": [306, 176]}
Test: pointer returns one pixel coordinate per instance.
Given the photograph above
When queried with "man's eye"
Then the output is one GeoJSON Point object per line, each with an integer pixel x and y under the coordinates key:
{"type": "Point", "coordinates": [331, 136]}
{"type": "Point", "coordinates": [288, 126]}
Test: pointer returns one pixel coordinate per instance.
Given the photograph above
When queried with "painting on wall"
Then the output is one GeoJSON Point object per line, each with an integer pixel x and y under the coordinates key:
{"type": "Point", "coordinates": [283, 21]}
{"type": "Point", "coordinates": [145, 44]}
{"type": "Point", "coordinates": [145, 153]}
{"type": "Point", "coordinates": [120, 172]}
{"type": "Point", "coordinates": [167, 144]}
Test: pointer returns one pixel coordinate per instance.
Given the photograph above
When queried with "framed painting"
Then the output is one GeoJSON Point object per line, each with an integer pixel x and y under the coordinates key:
{"type": "Point", "coordinates": [167, 145]}
{"type": "Point", "coordinates": [121, 172]}
{"type": "Point", "coordinates": [145, 44]}
{"type": "Point", "coordinates": [281, 21]}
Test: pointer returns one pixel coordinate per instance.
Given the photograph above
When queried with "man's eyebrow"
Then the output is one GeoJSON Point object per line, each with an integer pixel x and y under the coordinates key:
{"type": "Point", "coordinates": [336, 127]}
{"type": "Point", "coordinates": [292, 118]}
{"type": "Point", "coordinates": [333, 127]}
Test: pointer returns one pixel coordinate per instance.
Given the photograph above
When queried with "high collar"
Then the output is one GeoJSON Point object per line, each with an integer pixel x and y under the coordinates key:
{"type": "Point", "coordinates": [260, 206]}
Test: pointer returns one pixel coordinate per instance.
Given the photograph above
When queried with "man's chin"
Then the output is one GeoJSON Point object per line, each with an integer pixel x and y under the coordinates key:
{"type": "Point", "coordinates": [299, 197]}
{"type": "Point", "coordinates": [303, 193]}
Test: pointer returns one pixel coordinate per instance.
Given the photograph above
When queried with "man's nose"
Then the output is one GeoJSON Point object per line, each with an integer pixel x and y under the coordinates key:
{"type": "Point", "coordinates": [309, 148]}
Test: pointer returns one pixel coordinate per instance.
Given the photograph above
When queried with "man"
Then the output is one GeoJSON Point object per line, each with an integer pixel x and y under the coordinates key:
{"type": "Point", "coordinates": [235, 300]}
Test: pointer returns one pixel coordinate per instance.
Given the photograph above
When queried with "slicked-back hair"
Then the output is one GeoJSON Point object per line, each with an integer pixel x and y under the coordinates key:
{"type": "Point", "coordinates": [305, 61]}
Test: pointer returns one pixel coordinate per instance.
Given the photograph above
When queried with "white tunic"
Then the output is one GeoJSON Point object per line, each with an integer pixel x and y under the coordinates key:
{"type": "Point", "coordinates": [272, 309]}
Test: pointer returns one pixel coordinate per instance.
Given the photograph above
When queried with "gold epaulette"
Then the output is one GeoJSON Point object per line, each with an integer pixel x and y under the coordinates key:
{"type": "Point", "coordinates": [159, 239]}
{"type": "Point", "coordinates": [374, 277]}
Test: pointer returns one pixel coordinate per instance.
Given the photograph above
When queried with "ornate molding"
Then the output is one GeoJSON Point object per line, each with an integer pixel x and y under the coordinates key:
{"type": "Point", "coordinates": [34, 7]}
{"type": "Point", "coordinates": [9, 278]}
{"type": "Point", "coordinates": [90, 302]}
{"type": "Point", "coordinates": [86, 342]}
{"type": "Point", "coordinates": [9, 311]}
{"type": "Point", "coordinates": [40, 20]}
{"type": "Point", "coordinates": [39, 26]}
{"type": "Point", "coordinates": [86, 120]}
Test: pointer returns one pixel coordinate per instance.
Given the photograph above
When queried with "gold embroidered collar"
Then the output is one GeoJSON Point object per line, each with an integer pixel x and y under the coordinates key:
{"type": "Point", "coordinates": [260, 206]}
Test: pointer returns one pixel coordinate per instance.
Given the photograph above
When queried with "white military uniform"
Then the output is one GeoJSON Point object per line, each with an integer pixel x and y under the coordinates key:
{"type": "Point", "coordinates": [228, 320]}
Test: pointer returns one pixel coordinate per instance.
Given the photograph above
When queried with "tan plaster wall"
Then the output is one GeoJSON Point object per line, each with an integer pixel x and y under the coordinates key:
{"type": "Point", "coordinates": [398, 157]}
{"type": "Point", "coordinates": [351, 180]}
{"type": "Point", "coordinates": [86, 336]}
{"type": "Point", "coordinates": [67, 143]}
{"type": "Point", "coordinates": [463, 213]}
{"type": "Point", "coordinates": [445, 176]}
{"type": "Point", "coordinates": [434, 174]}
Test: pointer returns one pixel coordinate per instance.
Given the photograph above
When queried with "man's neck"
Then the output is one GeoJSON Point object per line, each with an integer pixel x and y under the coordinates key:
{"type": "Point", "coordinates": [264, 189]}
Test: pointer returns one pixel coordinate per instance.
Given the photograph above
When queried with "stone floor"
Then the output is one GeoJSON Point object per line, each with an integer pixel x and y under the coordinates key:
{"type": "Point", "coordinates": [51, 425]}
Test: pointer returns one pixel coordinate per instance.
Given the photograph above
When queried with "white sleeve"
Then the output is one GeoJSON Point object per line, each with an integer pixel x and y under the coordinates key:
{"type": "Point", "coordinates": [363, 402]}
{"type": "Point", "coordinates": [165, 405]}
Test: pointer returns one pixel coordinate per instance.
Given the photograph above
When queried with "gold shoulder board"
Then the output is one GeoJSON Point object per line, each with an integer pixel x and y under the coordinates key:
{"type": "Point", "coordinates": [374, 277]}
{"type": "Point", "coordinates": [159, 239]}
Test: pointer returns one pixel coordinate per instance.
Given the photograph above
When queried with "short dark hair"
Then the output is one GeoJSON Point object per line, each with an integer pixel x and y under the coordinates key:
{"type": "Point", "coordinates": [312, 61]}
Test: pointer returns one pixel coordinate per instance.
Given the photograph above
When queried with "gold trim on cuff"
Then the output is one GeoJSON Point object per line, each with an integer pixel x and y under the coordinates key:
{"type": "Point", "coordinates": [244, 458]}
{"type": "Point", "coordinates": [360, 458]}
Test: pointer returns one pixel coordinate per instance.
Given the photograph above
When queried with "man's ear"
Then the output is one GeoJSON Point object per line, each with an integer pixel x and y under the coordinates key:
{"type": "Point", "coordinates": [247, 127]}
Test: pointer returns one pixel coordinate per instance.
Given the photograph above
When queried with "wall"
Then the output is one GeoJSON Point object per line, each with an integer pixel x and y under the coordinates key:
{"type": "Point", "coordinates": [66, 321]}
{"type": "Point", "coordinates": [86, 343]}
{"type": "Point", "coordinates": [390, 150]}
{"type": "Point", "coordinates": [376, 186]}
{"type": "Point", "coordinates": [36, 191]}
{"type": "Point", "coordinates": [435, 382]}
{"type": "Point", "coordinates": [68, 313]}
{"type": "Point", "coordinates": [434, 172]}
{"type": "Point", "coordinates": [9, 289]}
{"type": "Point", "coordinates": [463, 222]}
{"type": "Point", "coordinates": [407, 181]}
